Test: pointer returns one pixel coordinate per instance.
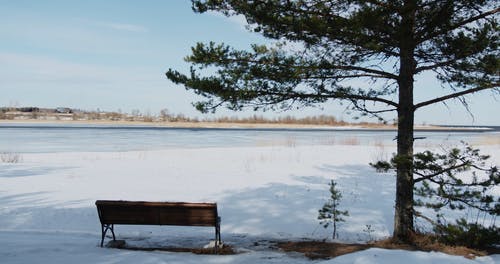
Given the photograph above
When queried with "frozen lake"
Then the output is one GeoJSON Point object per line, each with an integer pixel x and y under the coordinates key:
{"type": "Point", "coordinates": [268, 184]}
{"type": "Point", "coordinates": [37, 138]}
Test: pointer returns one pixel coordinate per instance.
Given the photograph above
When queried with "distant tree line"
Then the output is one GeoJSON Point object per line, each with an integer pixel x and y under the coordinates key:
{"type": "Point", "coordinates": [163, 116]}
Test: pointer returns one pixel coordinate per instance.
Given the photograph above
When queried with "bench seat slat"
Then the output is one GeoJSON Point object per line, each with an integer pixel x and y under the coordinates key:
{"type": "Point", "coordinates": [156, 213]}
{"type": "Point", "coordinates": [111, 215]}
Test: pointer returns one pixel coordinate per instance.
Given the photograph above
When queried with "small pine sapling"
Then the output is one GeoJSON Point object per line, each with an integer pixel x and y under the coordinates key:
{"type": "Point", "coordinates": [330, 213]}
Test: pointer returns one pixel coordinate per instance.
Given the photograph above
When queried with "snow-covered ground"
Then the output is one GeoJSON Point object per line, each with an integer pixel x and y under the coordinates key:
{"type": "Point", "coordinates": [265, 193]}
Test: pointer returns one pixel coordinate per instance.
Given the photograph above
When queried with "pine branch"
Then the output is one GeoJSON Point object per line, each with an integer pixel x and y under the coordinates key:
{"type": "Point", "coordinates": [369, 71]}
{"type": "Point", "coordinates": [457, 25]}
{"type": "Point", "coordinates": [419, 214]}
{"type": "Point", "coordinates": [458, 94]}
{"type": "Point", "coordinates": [436, 65]}
{"type": "Point", "coordinates": [430, 176]}
{"type": "Point", "coordinates": [382, 4]}
{"type": "Point", "coordinates": [363, 108]}
{"type": "Point", "coordinates": [336, 96]}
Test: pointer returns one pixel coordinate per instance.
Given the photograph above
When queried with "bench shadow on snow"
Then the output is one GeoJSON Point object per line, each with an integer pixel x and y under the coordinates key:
{"type": "Point", "coordinates": [256, 218]}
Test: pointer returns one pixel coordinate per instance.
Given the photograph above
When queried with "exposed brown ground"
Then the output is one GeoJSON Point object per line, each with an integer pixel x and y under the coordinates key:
{"type": "Point", "coordinates": [225, 250]}
{"type": "Point", "coordinates": [326, 250]}
{"type": "Point", "coordinates": [321, 250]}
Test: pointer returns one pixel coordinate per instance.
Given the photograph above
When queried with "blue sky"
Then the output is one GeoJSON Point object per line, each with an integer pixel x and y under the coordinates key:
{"type": "Point", "coordinates": [112, 55]}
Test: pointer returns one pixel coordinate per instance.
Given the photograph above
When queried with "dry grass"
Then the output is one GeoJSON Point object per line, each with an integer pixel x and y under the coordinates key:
{"type": "Point", "coordinates": [226, 250]}
{"type": "Point", "coordinates": [10, 157]}
{"type": "Point", "coordinates": [326, 250]}
{"type": "Point", "coordinates": [321, 250]}
{"type": "Point", "coordinates": [322, 120]}
{"type": "Point", "coordinates": [380, 153]}
{"type": "Point", "coordinates": [291, 141]}
{"type": "Point", "coordinates": [488, 140]}
{"type": "Point", "coordinates": [429, 243]}
{"type": "Point", "coordinates": [352, 141]}
{"type": "Point", "coordinates": [330, 141]}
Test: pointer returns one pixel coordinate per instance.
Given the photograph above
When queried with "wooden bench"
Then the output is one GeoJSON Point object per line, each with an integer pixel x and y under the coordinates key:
{"type": "Point", "coordinates": [157, 213]}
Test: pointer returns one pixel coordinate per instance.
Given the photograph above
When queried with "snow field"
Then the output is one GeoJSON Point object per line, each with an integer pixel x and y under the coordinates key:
{"type": "Point", "coordinates": [264, 193]}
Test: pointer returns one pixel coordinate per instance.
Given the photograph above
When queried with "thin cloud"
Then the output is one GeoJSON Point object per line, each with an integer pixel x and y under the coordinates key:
{"type": "Point", "coordinates": [16, 68]}
{"type": "Point", "coordinates": [126, 27]}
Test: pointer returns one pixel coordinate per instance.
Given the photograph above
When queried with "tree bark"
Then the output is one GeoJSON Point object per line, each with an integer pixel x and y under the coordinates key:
{"type": "Point", "coordinates": [403, 216]}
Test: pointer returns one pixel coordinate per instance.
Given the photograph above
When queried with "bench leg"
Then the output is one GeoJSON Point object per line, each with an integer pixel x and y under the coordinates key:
{"type": "Point", "coordinates": [104, 230]}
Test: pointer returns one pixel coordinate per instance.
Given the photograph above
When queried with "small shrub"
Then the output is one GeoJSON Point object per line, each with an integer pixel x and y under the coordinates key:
{"type": "Point", "coordinates": [369, 230]}
{"type": "Point", "coordinates": [148, 118]}
{"type": "Point", "coordinates": [10, 157]}
{"type": "Point", "coordinates": [471, 235]}
{"type": "Point", "coordinates": [380, 154]}
{"type": "Point", "coordinates": [291, 141]}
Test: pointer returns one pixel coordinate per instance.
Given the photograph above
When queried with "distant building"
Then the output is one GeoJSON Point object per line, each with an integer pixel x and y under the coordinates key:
{"type": "Point", "coordinates": [63, 110]}
{"type": "Point", "coordinates": [28, 109]}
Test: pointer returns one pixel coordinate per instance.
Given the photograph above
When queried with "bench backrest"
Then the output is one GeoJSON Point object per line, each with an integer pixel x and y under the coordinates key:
{"type": "Point", "coordinates": [157, 213]}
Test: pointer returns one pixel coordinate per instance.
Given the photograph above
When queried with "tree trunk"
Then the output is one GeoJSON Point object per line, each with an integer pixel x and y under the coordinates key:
{"type": "Point", "coordinates": [403, 215]}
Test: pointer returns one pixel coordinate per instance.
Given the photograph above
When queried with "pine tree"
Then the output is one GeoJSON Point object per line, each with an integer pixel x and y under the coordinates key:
{"type": "Point", "coordinates": [385, 44]}
{"type": "Point", "coordinates": [330, 213]}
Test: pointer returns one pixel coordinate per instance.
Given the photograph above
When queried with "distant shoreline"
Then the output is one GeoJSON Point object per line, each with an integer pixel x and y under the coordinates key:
{"type": "Point", "coordinates": [62, 116]}
{"type": "Point", "coordinates": [230, 125]}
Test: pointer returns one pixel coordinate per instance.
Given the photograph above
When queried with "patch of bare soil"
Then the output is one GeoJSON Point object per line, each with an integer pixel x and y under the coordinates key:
{"type": "Point", "coordinates": [327, 250]}
{"type": "Point", "coordinates": [321, 250]}
{"type": "Point", "coordinates": [225, 250]}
